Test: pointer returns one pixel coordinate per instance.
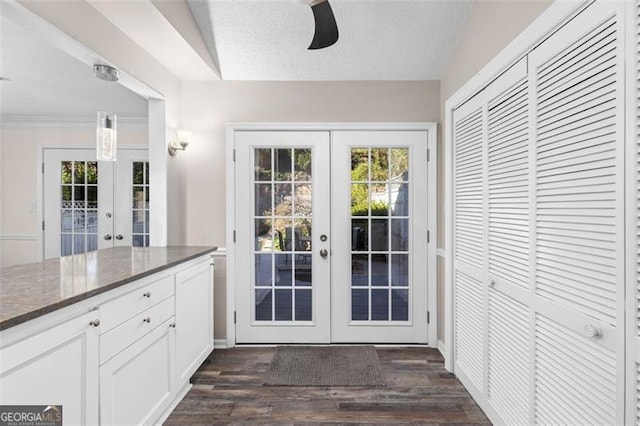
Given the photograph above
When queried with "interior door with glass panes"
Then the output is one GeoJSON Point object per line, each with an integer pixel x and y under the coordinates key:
{"type": "Point", "coordinates": [282, 237]}
{"type": "Point", "coordinates": [379, 224]}
{"type": "Point", "coordinates": [91, 205]}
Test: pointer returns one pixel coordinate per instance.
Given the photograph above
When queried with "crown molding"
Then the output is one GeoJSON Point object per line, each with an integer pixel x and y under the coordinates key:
{"type": "Point", "coordinates": [67, 122]}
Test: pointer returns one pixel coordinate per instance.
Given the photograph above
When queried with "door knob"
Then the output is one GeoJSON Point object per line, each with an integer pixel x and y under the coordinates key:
{"type": "Point", "coordinates": [324, 253]}
{"type": "Point", "coordinates": [95, 322]}
{"type": "Point", "coordinates": [119, 237]}
{"type": "Point", "coordinates": [107, 237]}
{"type": "Point", "coordinates": [592, 331]}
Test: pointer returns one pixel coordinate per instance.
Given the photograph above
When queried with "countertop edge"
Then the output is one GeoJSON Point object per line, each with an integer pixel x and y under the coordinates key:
{"type": "Point", "coordinates": [22, 318]}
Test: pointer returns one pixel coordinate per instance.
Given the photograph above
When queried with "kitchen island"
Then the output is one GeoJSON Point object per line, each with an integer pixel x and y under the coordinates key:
{"type": "Point", "coordinates": [112, 336]}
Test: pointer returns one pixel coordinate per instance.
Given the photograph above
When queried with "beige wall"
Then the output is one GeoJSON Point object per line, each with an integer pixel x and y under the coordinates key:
{"type": "Point", "coordinates": [490, 27]}
{"type": "Point", "coordinates": [18, 182]}
{"type": "Point", "coordinates": [207, 107]}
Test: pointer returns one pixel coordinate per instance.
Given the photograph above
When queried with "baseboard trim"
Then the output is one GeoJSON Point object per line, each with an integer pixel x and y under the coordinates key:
{"type": "Point", "coordinates": [219, 344]}
{"type": "Point", "coordinates": [442, 349]}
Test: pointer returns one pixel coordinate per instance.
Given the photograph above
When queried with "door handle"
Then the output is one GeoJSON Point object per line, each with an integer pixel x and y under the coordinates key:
{"type": "Point", "coordinates": [119, 237]}
{"type": "Point", "coordinates": [324, 253]}
{"type": "Point", "coordinates": [107, 237]}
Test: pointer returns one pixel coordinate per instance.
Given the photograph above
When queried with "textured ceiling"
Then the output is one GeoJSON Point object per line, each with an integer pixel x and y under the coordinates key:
{"type": "Point", "coordinates": [379, 40]}
{"type": "Point", "coordinates": [47, 82]}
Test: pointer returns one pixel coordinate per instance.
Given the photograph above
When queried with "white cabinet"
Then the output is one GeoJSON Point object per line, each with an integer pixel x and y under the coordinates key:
{"type": "Point", "coordinates": [57, 366]}
{"type": "Point", "coordinates": [194, 318]}
{"type": "Point", "coordinates": [122, 357]}
{"type": "Point", "coordinates": [155, 336]}
{"type": "Point", "coordinates": [138, 384]}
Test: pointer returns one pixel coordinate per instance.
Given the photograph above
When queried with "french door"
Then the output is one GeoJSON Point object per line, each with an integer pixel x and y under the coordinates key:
{"type": "Point", "coordinates": [91, 205]}
{"type": "Point", "coordinates": [331, 237]}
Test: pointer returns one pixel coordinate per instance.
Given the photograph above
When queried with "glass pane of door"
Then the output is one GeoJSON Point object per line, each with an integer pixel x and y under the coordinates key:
{"type": "Point", "coordinates": [380, 190]}
{"type": "Point", "coordinates": [140, 203]}
{"type": "Point", "coordinates": [282, 230]}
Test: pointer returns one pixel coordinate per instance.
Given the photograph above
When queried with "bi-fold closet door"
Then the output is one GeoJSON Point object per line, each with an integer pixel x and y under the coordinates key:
{"type": "Point", "coordinates": [539, 234]}
{"type": "Point", "coordinates": [633, 217]}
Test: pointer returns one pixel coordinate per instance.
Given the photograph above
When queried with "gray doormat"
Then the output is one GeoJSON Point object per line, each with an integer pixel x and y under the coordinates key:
{"type": "Point", "coordinates": [324, 366]}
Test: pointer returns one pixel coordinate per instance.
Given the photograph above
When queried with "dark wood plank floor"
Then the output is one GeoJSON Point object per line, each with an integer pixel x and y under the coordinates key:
{"type": "Point", "coordinates": [228, 389]}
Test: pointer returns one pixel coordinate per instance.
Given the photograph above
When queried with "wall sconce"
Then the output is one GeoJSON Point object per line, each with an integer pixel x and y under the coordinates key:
{"type": "Point", "coordinates": [184, 137]}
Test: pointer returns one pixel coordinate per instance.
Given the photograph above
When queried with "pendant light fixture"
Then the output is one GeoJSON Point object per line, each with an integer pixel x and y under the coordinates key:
{"type": "Point", "coordinates": [106, 129]}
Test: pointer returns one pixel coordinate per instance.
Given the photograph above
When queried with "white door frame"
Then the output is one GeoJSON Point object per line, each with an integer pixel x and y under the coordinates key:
{"type": "Point", "coordinates": [429, 127]}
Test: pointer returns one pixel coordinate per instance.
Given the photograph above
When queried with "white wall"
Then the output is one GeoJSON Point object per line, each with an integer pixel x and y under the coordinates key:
{"type": "Point", "coordinates": [18, 182]}
{"type": "Point", "coordinates": [207, 107]}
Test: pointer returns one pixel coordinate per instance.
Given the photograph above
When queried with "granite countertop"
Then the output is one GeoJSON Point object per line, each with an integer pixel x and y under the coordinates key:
{"type": "Point", "coordinates": [30, 291]}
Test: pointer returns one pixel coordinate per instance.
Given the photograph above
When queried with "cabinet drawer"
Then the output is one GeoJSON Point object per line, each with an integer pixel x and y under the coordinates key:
{"type": "Point", "coordinates": [124, 307]}
{"type": "Point", "coordinates": [114, 341]}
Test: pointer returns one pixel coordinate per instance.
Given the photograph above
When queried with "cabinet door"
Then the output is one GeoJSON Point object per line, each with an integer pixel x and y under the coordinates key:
{"type": "Point", "coordinates": [137, 385]}
{"type": "Point", "coordinates": [58, 366]}
{"type": "Point", "coordinates": [194, 318]}
{"type": "Point", "coordinates": [578, 309]}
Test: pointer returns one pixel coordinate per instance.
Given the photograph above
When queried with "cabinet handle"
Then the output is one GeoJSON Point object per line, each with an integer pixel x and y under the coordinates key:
{"type": "Point", "coordinates": [147, 319]}
{"type": "Point", "coordinates": [172, 325]}
{"type": "Point", "coordinates": [492, 282]}
{"type": "Point", "coordinates": [147, 294]}
{"type": "Point", "coordinates": [95, 322]}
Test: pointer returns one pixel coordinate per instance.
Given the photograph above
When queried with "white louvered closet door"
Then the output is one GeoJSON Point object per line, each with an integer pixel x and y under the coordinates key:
{"type": "Point", "coordinates": [508, 369]}
{"type": "Point", "coordinates": [577, 76]}
{"type": "Point", "coordinates": [469, 250]}
{"type": "Point", "coordinates": [633, 221]}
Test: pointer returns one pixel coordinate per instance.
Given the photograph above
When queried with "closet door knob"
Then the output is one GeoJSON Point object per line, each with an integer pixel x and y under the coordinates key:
{"type": "Point", "coordinates": [146, 294]}
{"type": "Point", "coordinates": [147, 320]}
{"type": "Point", "coordinates": [592, 331]}
{"type": "Point", "coordinates": [95, 322]}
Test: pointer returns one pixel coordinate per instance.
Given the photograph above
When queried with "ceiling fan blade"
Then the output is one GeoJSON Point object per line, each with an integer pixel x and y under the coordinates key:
{"type": "Point", "coordinates": [326, 32]}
